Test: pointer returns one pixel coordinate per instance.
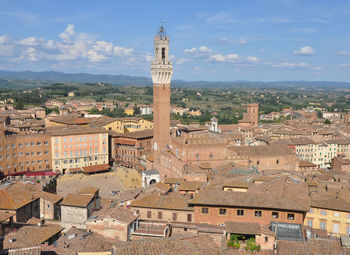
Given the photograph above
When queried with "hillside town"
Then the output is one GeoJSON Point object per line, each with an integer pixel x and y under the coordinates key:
{"type": "Point", "coordinates": [75, 182]}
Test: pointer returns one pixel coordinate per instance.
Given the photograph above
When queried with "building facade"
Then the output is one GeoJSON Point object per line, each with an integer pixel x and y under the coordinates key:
{"type": "Point", "coordinates": [74, 148]}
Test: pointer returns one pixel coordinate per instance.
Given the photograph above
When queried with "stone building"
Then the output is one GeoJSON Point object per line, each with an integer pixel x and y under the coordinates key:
{"type": "Point", "coordinates": [115, 223]}
{"type": "Point", "coordinates": [77, 208]}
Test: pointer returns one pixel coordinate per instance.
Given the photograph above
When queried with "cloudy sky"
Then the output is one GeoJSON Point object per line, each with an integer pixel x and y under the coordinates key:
{"type": "Point", "coordinates": [265, 40]}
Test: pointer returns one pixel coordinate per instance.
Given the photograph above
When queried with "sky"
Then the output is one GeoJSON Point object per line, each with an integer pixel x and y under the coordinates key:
{"type": "Point", "coordinates": [254, 40]}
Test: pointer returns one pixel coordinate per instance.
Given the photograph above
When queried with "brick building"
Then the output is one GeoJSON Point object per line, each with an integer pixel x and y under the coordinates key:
{"type": "Point", "coordinates": [275, 201]}
{"type": "Point", "coordinates": [163, 208]}
{"type": "Point", "coordinates": [264, 157]}
{"type": "Point", "coordinates": [128, 148]}
{"type": "Point", "coordinates": [24, 152]}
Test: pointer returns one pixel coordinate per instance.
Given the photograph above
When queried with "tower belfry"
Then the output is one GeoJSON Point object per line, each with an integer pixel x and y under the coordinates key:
{"type": "Point", "coordinates": [162, 71]}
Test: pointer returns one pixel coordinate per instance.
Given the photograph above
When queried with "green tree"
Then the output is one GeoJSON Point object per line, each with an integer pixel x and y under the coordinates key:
{"type": "Point", "coordinates": [319, 114]}
{"type": "Point", "coordinates": [327, 121]}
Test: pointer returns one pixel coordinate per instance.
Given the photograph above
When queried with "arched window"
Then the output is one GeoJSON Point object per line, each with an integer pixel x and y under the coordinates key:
{"type": "Point", "coordinates": [163, 53]}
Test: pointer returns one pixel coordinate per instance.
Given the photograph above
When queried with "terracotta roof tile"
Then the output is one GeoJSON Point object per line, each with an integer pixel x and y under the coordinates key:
{"type": "Point", "coordinates": [77, 200]}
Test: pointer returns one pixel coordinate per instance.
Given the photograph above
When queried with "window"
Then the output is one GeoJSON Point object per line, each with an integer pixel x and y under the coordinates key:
{"type": "Point", "coordinates": [174, 216]}
{"type": "Point", "coordinates": [240, 212]}
{"type": "Point", "coordinates": [336, 214]}
{"type": "Point", "coordinates": [311, 210]}
{"type": "Point", "coordinates": [222, 211]}
{"type": "Point", "coordinates": [336, 228]}
{"type": "Point", "coordinates": [290, 216]}
{"type": "Point", "coordinates": [310, 223]}
{"type": "Point", "coordinates": [266, 239]}
{"type": "Point", "coordinates": [149, 214]}
{"type": "Point", "coordinates": [205, 210]}
{"type": "Point", "coordinates": [160, 215]}
{"type": "Point", "coordinates": [323, 212]}
{"type": "Point", "coordinates": [197, 156]}
{"type": "Point", "coordinates": [348, 230]}
{"type": "Point", "coordinates": [189, 217]}
{"type": "Point", "coordinates": [258, 214]}
{"type": "Point", "coordinates": [275, 215]}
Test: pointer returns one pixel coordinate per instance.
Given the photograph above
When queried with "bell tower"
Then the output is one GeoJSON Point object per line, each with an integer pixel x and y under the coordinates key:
{"type": "Point", "coordinates": [162, 71]}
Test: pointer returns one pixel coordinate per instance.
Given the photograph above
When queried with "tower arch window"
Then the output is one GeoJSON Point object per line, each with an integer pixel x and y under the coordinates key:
{"type": "Point", "coordinates": [163, 54]}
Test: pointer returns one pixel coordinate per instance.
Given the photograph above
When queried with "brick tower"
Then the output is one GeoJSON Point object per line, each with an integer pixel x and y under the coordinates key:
{"type": "Point", "coordinates": [161, 70]}
{"type": "Point", "coordinates": [253, 114]}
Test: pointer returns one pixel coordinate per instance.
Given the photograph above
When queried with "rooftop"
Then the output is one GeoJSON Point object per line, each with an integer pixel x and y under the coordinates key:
{"type": "Point", "coordinates": [77, 200]}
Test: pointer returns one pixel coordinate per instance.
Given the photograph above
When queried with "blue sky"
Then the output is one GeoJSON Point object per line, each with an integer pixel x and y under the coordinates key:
{"type": "Point", "coordinates": [266, 40]}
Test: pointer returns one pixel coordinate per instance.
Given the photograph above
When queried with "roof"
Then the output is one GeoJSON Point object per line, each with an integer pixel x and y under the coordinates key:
{"type": "Point", "coordinates": [303, 163]}
{"type": "Point", "coordinates": [267, 195]}
{"type": "Point", "coordinates": [5, 216]}
{"type": "Point", "coordinates": [191, 186]}
{"type": "Point", "coordinates": [71, 130]}
{"type": "Point", "coordinates": [29, 236]}
{"type": "Point", "coordinates": [163, 202]}
{"type": "Point", "coordinates": [331, 200]}
{"type": "Point", "coordinates": [261, 150]}
{"type": "Point", "coordinates": [16, 196]}
{"type": "Point", "coordinates": [77, 200]}
{"type": "Point", "coordinates": [50, 197]}
{"type": "Point", "coordinates": [244, 228]}
{"type": "Point", "coordinates": [150, 172]}
{"type": "Point", "coordinates": [123, 215]}
{"type": "Point", "coordinates": [70, 120]}
{"type": "Point", "coordinates": [78, 240]}
{"type": "Point", "coordinates": [311, 247]}
{"type": "Point", "coordinates": [96, 168]}
{"type": "Point", "coordinates": [102, 121]}
{"type": "Point", "coordinates": [89, 190]}
{"type": "Point", "coordinates": [194, 245]}
{"type": "Point", "coordinates": [146, 133]}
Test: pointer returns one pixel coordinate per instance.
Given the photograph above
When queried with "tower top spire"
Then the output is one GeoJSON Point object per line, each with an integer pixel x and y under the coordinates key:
{"type": "Point", "coordinates": [161, 29]}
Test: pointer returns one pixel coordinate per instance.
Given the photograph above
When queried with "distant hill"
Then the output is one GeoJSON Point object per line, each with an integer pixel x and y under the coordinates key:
{"type": "Point", "coordinates": [28, 79]}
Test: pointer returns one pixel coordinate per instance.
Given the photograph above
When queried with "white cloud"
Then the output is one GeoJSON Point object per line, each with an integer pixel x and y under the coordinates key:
{"type": "Point", "coordinates": [68, 32]}
{"type": "Point", "coordinates": [344, 53]}
{"type": "Point", "coordinates": [181, 61]}
{"type": "Point", "coordinates": [242, 41]}
{"type": "Point", "coordinates": [304, 51]}
{"type": "Point", "coordinates": [201, 49]}
{"type": "Point", "coordinates": [221, 17]}
{"type": "Point", "coordinates": [122, 51]}
{"type": "Point", "coordinates": [252, 59]}
{"type": "Point", "coordinates": [223, 40]}
{"type": "Point", "coordinates": [291, 64]}
{"type": "Point", "coordinates": [344, 65]}
{"type": "Point", "coordinates": [73, 47]}
{"type": "Point", "coordinates": [224, 58]}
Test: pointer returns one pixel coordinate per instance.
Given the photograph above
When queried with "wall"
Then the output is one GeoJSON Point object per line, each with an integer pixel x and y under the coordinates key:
{"type": "Point", "coordinates": [73, 151]}
{"type": "Point", "coordinates": [73, 216]}
{"type": "Point", "coordinates": [343, 220]}
{"type": "Point", "coordinates": [167, 215]}
{"type": "Point", "coordinates": [214, 218]}
{"type": "Point", "coordinates": [109, 228]}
